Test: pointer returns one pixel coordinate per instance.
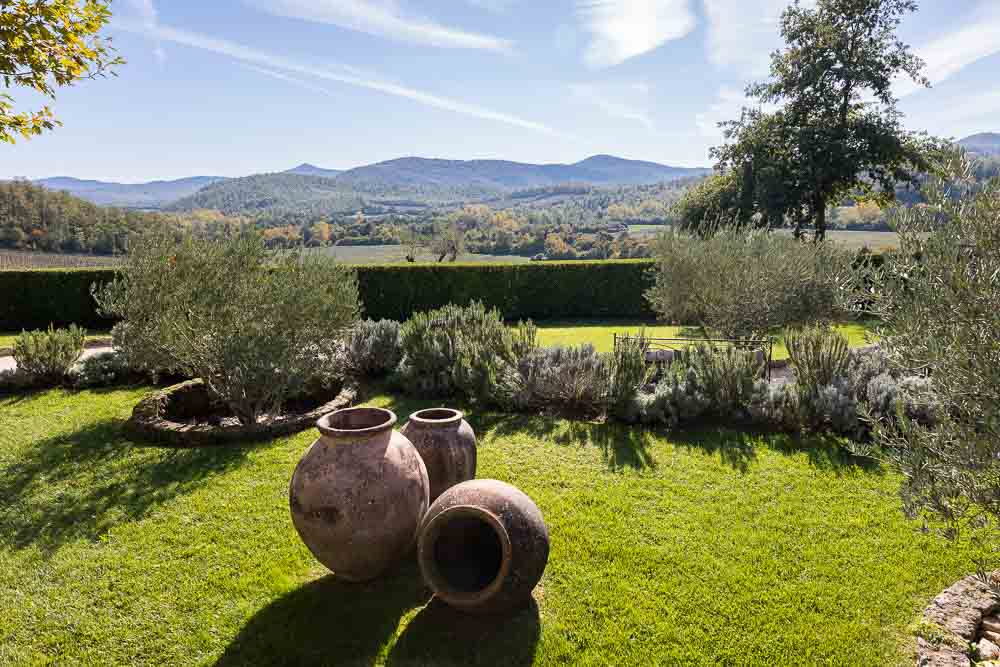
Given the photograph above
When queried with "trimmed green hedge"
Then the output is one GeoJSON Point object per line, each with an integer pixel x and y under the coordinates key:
{"type": "Point", "coordinates": [540, 290]}
{"type": "Point", "coordinates": [32, 299]}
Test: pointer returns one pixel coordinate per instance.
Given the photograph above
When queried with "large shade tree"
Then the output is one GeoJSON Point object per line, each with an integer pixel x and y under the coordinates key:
{"type": "Point", "coordinates": [827, 125]}
{"type": "Point", "coordinates": [45, 44]}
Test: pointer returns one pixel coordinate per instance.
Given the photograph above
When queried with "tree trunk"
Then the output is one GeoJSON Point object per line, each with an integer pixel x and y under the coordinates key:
{"type": "Point", "coordinates": [820, 219]}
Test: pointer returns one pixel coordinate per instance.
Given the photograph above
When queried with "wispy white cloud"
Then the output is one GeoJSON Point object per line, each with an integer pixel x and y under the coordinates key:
{"type": "Point", "coordinates": [332, 72]}
{"type": "Point", "coordinates": [727, 106]}
{"type": "Point", "coordinates": [742, 37]}
{"type": "Point", "coordinates": [959, 113]}
{"type": "Point", "coordinates": [626, 102]}
{"type": "Point", "coordinates": [495, 6]}
{"type": "Point", "coordinates": [147, 14]}
{"type": "Point", "coordinates": [623, 29]}
{"type": "Point", "coordinates": [951, 52]}
{"type": "Point", "coordinates": [295, 81]}
{"type": "Point", "coordinates": [382, 18]}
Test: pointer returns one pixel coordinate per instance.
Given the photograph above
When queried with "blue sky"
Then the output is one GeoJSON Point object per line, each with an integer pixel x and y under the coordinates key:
{"type": "Point", "coordinates": [232, 87]}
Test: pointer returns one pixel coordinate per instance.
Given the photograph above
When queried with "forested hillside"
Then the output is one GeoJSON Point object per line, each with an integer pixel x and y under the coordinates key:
{"type": "Point", "coordinates": [263, 192]}
{"type": "Point", "coordinates": [36, 218]}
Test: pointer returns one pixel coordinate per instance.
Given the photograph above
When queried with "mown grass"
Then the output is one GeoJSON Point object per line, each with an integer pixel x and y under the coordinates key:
{"type": "Point", "coordinates": [694, 548]}
{"type": "Point", "coordinates": [600, 333]}
{"type": "Point", "coordinates": [7, 338]}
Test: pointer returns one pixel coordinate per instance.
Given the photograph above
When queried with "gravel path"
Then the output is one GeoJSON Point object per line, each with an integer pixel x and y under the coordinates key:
{"type": "Point", "coordinates": [7, 363]}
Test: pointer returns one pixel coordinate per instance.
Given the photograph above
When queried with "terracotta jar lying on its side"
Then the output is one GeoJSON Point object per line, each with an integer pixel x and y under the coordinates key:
{"type": "Point", "coordinates": [447, 445]}
{"type": "Point", "coordinates": [359, 493]}
{"type": "Point", "coordinates": [483, 547]}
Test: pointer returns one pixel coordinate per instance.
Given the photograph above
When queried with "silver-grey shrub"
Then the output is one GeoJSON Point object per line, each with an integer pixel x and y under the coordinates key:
{"type": "Point", "coordinates": [741, 283]}
{"type": "Point", "coordinates": [819, 356]}
{"type": "Point", "coordinates": [251, 324]}
{"type": "Point", "coordinates": [107, 369]}
{"type": "Point", "coordinates": [724, 376]}
{"type": "Point", "coordinates": [464, 350]}
{"type": "Point", "coordinates": [46, 357]}
{"type": "Point", "coordinates": [627, 373]}
{"type": "Point", "coordinates": [565, 378]}
{"type": "Point", "coordinates": [373, 348]}
{"type": "Point", "coordinates": [705, 382]}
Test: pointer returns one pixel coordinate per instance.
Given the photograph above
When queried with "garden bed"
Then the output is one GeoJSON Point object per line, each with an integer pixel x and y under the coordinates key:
{"type": "Point", "coordinates": [184, 415]}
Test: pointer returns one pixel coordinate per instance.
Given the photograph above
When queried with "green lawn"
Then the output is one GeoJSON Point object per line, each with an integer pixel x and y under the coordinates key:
{"type": "Point", "coordinates": [708, 547]}
{"type": "Point", "coordinates": [7, 338]}
{"type": "Point", "coordinates": [600, 333]}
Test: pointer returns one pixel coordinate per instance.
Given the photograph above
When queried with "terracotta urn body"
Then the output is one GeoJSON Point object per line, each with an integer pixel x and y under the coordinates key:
{"type": "Point", "coordinates": [483, 547]}
{"type": "Point", "coordinates": [359, 493]}
{"type": "Point", "coordinates": [447, 445]}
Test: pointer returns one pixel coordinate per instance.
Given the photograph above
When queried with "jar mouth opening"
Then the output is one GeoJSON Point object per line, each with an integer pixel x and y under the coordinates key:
{"type": "Point", "coordinates": [356, 421]}
{"type": "Point", "coordinates": [437, 416]}
{"type": "Point", "coordinates": [465, 554]}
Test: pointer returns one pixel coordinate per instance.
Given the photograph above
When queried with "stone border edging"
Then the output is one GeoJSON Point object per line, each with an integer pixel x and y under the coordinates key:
{"type": "Point", "coordinates": [148, 423]}
{"type": "Point", "coordinates": [956, 613]}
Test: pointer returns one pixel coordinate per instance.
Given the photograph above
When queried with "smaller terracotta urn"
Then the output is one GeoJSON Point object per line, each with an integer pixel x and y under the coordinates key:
{"type": "Point", "coordinates": [483, 547]}
{"type": "Point", "coordinates": [359, 493]}
{"type": "Point", "coordinates": [447, 445]}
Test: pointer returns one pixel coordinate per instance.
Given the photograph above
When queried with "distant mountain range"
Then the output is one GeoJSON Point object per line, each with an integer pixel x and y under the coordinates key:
{"type": "Point", "coordinates": [306, 169]}
{"type": "Point", "coordinates": [985, 143]}
{"type": "Point", "coordinates": [408, 174]}
{"type": "Point", "coordinates": [131, 195]}
{"type": "Point", "coordinates": [415, 172]}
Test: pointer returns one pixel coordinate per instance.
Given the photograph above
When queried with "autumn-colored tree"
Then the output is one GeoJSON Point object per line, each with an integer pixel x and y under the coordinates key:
{"type": "Point", "coordinates": [45, 44]}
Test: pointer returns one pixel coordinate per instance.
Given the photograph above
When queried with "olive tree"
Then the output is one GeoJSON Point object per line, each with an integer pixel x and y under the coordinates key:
{"type": "Point", "coordinates": [939, 300]}
{"type": "Point", "coordinates": [745, 284]}
{"type": "Point", "coordinates": [252, 325]}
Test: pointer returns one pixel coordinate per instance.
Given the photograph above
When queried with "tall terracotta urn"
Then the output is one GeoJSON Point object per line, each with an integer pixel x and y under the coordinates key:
{"type": "Point", "coordinates": [447, 445]}
{"type": "Point", "coordinates": [359, 493]}
{"type": "Point", "coordinates": [483, 547]}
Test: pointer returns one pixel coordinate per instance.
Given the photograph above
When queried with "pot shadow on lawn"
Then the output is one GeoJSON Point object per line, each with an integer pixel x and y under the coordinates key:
{"type": "Point", "coordinates": [440, 635]}
{"type": "Point", "coordinates": [82, 484]}
{"type": "Point", "coordinates": [331, 622]}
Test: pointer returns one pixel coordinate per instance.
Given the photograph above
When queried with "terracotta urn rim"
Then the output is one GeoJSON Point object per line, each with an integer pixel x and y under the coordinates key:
{"type": "Point", "coordinates": [437, 581]}
{"type": "Point", "coordinates": [366, 422]}
{"type": "Point", "coordinates": [436, 417]}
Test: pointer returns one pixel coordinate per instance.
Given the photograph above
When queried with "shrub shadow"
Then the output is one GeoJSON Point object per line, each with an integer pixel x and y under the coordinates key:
{"type": "Point", "coordinates": [328, 622]}
{"type": "Point", "coordinates": [630, 445]}
{"type": "Point", "coordinates": [622, 445]}
{"type": "Point", "coordinates": [80, 484]}
{"type": "Point", "coordinates": [825, 451]}
{"type": "Point", "coordinates": [440, 635]}
{"type": "Point", "coordinates": [734, 448]}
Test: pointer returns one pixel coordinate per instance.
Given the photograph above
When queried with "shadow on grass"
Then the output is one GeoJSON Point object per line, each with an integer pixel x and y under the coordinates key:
{"type": "Point", "coordinates": [738, 449]}
{"type": "Point", "coordinates": [328, 622]}
{"type": "Point", "coordinates": [630, 446]}
{"type": "Point", "coordinates": [622, 446]}
{"type": "Point", "coordinates": [734, 448]}
{"type": "Point", "coordinates": [825, 451]}
{"type": "Point", "coordinates": [331, 622]}
{"type": "Point", "coordinates": [82, 484]}
{"type": "Point", "coordinates": [440, 635]}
